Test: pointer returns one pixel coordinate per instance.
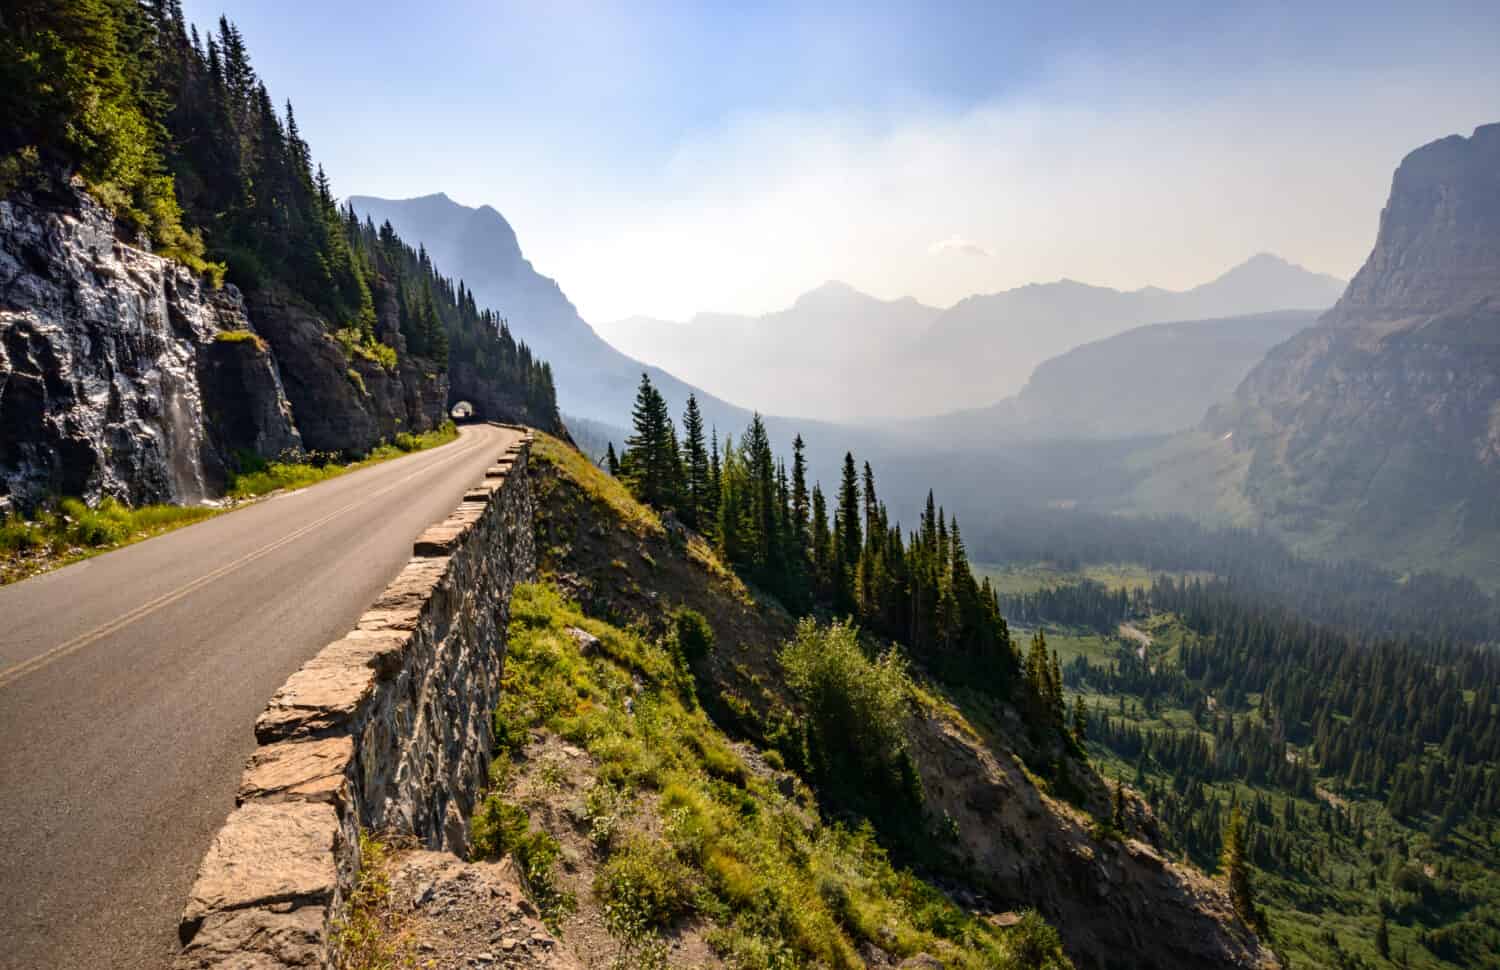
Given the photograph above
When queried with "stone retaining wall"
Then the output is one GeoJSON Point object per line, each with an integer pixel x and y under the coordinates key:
{"type": "Point", "coordinates": [388, 729]}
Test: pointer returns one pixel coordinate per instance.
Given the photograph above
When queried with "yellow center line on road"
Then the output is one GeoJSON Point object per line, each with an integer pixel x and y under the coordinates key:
{"type": "Point", "coordinates": [15, 672]}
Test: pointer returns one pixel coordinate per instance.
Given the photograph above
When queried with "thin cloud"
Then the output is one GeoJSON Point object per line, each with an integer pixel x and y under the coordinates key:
{"type": "Point", "coordinates": [958, 244]}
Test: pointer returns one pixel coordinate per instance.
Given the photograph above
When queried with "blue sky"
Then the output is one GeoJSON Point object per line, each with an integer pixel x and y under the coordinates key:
{"type": "Point", "coordinates": [664, 159]}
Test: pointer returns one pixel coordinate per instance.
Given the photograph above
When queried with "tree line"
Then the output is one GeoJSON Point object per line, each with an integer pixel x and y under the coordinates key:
{"type": "Point", "coordinates": [837, 552]}
{"type": "Point", "coordinates": [1359, 598]}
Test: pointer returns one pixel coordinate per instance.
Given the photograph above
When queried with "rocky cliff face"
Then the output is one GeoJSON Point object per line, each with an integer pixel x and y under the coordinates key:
{"type": "Point", "coordinates": [344, 404]}
{"type": "Point", "coordinates": [123, 374]}
{"type": "Point", "coordinates": [116, 377]}
{"type": "Point", "coordinates": [1377, 432]}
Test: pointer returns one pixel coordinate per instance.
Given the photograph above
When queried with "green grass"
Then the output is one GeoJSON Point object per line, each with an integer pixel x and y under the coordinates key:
{"type": "Point", "coordinates": [771, 882]}
{"type": "Point", "coordinates": [354, 345]}
{"type": "Point", "coordinates": [67, 530]}
{"type": "Point", "coordinates": [263, 478]}
{"type": "Point", "coordinates": [1012, 579]}
{"type": "Point", "coordinates": [598, 484]}
{"type": "Point", "coordinates": [239, 337]}
{"type": "Point", "coordinates": [367, 937]}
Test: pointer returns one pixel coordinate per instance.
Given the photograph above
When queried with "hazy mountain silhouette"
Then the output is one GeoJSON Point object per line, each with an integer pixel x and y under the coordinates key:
{"type": "Point", "coordinates": [986, 347]}
{"type": "Point", "coordinates": [842, 355]}
{"type": "Point", "coordinates": [594, 380]}
{"type": "Point", "coordinates": [1150, 380]}
{"type": "Point", "coordinates": [824, 350]}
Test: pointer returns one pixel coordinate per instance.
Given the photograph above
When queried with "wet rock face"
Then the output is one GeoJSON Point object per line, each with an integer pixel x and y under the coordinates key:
{"type": "Point", "coordinates": [104, 354]}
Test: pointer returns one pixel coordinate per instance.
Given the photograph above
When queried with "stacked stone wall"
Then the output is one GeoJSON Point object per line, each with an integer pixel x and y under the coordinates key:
{"type": "Point", "coordinates": [388, 729]}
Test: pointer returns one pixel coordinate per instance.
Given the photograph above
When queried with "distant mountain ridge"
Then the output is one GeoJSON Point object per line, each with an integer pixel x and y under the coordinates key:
{"type": "Point", "coordinates": [842, 355]}
{"type": "Point", "coordinates": [1150, 380]}
{"type": "Point", "coordinates": [995, 341]}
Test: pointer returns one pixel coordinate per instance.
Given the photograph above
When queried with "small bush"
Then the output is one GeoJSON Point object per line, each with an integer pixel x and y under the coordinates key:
{"type": "Point", "coordinates": [695, 638]}
{"type": "Point", "coordinates": [356, 344]}
{"type": "Point", "coordinates": [368, 935]}
{"type": "Point", "coordinates": [857, 712]}
{"type": "Point", "coordinates": [1034, 943]}
{"type": "Point", "coordinates": [644, 884]}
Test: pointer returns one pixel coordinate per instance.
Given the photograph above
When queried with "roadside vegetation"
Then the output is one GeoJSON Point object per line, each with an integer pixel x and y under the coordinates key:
{"type": "Point", "coordinates": [688, 834]}
{"type": "Point", "coordinates": [67, 530]}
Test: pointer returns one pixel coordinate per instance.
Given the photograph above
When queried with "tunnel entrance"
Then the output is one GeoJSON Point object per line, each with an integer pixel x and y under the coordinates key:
{"type": "Point", "coordinates": [461, 412]}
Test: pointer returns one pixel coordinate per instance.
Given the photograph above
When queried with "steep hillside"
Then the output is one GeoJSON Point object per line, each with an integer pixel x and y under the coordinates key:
{"type": "Point", "coordinates": [991, 834]}
{"type": "Point", "coordinates": [593, 379]}
{"type": "Point", "coordinates": [1151, 380]}
{"type": "Point", "coordinates": [1377, 433]}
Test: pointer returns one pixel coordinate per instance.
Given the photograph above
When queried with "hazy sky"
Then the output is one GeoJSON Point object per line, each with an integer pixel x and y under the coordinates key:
{"type": "Point", "coordinates": [665, 159]}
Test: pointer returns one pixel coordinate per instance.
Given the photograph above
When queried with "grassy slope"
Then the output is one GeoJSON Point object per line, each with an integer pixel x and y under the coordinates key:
{"type": "Point", "coordinates": [623, 564]}
{"type": "Point", "coordinates": [691, 841]}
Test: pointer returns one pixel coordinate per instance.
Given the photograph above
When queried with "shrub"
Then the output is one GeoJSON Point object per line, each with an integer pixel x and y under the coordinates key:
{"type": "Point", "coordinates": [857, 710]}
{"type": "Point", "coordinates": [644, 884]}
{"type": "Point", "coordinates": [499, 828]}
{"type": "Point", "coordinates": [1034, 943]}
{"type": "Point", "coordinates": [695, 638]}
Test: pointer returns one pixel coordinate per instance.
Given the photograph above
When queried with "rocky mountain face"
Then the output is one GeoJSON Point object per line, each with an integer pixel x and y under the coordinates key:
{"type": "Point", "coordinates": [115, 378]}
{"type": "Point", "coordinates": [123, 374]}
{"type": "Point", "coordinates": [1377, 432]}
{"type": "Point", "coordinates": [348, 404]}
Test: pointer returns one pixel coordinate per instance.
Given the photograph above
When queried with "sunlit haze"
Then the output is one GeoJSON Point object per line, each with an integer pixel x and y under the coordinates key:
{"type": "Point", "coordinates": [675, 160]}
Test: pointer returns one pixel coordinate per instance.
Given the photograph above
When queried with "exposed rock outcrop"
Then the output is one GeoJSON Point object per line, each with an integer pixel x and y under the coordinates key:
{"type": "Point", "coordinates": [116, 377]}
{"type": "Point", "coordinates": [1377, 432]}
{"type": "Point", "coordinates": [342, 404]}
{"type": "Point", "coordinates": [1118, 903]}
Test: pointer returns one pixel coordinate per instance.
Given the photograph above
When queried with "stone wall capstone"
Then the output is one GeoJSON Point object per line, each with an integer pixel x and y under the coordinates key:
{"type": "Point", "coordinates": [388, 730]}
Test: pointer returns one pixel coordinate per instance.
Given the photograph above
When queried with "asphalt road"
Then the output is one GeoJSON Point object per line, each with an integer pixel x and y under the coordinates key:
{"type": "Point", "coordinates": [129, 684]}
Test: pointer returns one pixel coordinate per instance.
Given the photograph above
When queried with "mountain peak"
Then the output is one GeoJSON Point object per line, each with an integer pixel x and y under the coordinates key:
{"type": "Point", "coordinates": [831, 293]}
{"type": "Point", "coordinates": [1437, 246]}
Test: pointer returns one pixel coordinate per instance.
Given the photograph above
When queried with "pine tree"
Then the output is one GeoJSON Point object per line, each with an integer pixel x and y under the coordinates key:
{"type": "Point", "coordinates": [697, 481]}
{"type": "Point", "coordinates": [1237, 871]}
{"type": "Point", "coordinates": [1080, 721]}
{"type": "Point", "coordinates": [611, 462]}
{"type": "Point", "coordinates": [801, 526]}
{"type": "Point", "coordinates": [651, 465]}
